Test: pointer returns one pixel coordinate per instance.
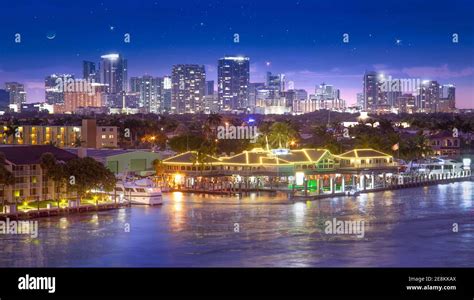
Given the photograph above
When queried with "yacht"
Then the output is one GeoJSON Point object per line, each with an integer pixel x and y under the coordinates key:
{"type": "Point", "coordinates": [139, 192]}
{"type": "Point", "coordinates": [435, 166]}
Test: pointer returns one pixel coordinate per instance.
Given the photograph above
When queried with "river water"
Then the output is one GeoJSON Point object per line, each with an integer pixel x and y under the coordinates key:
{"type": "Point", "coordinates": [408, 227]}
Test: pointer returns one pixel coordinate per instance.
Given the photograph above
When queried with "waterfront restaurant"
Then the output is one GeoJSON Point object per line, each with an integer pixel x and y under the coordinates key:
{"type": "Point", "coordinates": [368, 168]}
{"type": "Point", "coordinates": [313, 170]}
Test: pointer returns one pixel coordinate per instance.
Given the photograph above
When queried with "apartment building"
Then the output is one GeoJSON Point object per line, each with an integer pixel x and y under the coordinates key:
{"type": "Point", "coordinates": [31, 183]}
{"type": "Point", "coordinates": [88, 135]}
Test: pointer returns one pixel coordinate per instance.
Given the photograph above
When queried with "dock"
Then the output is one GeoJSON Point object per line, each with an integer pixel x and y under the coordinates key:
{"type": "Point", "coordinates": [55, 211]}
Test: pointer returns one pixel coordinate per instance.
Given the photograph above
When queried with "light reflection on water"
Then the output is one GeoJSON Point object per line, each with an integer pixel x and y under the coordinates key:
{"type": "Point", "coordinates": [410, 227]}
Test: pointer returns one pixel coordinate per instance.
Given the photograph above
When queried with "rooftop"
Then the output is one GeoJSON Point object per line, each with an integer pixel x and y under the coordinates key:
{"type": "Point", "coordinates": [364, 153]}
{"type": "Point", "coordinates": [31, 154]}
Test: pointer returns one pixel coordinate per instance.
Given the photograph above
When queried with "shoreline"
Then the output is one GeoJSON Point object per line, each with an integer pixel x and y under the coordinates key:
{"type": "Point", "coordinates": [44, 212]}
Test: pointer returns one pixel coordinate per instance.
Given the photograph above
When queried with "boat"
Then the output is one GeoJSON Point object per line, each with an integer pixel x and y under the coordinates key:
{"type": "Point", "coordinates": [139, 192]}
{"type": "Point", "coordinates": [435, 165]}
{"type": "Point", "coordinates": [351, 191]}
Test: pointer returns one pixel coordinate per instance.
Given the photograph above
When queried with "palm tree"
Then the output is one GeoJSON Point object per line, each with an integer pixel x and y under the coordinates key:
{"type": "Point", "coordinates": [281, 133]}
{"type": "Point", "coordinates": [55, 171]}
{"type": "Point", "coordinates": [89, 174]}
{"type": "Point", "coordinates": [386, 126]}
{"type": "Point", "coordinates": [214, 120]}
{"type": "Point", "coordinates": [422, 145]}
{"type": "Point", "coordinates": [201, 158]}
{"type": "Point", "coordinates": [11, 130]}
{"type": "Point", "coordinates": [363, 141]}
{"type": "Point", "coordinates": [159, 168]}
{"type": "Point", "coordinates": [6, 177]}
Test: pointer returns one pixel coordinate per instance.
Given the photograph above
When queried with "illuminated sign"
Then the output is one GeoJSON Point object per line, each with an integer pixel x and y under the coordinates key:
{"type": "Point", "coordinates": [280, 151]}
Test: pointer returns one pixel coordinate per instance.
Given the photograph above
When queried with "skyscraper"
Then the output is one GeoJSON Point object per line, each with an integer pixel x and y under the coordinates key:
{"type": "Point", "coordinates": [4, 99]}
{"type": "Point", "coordinates": [188, 83]}
{"type": "Point", "coordinates": [276, 82]}
{"type": "Point", "coordinates": [428, 96]}
{"type": "Point", "coordinates": [447, 91]}
{"type": "Point", "coordinates": [89, 71]}
{"type": "Point", "coordinates": [166, 94]}
{"type": "Point", "coordinates": [149, 89]}
{"type": "Point", "coordinates": [233, 76]}
{"type": "Point", "coordinates": [370, 90]}
{"type": "Point", "coordinates": [17, 93]}
{"type": "Point", "coordinates": [113, 72]}
{"type": "Point", "coordinates": [447, 98]}
{"type": "Point", "coordinates": [75, 100]}
{"type": "Point", "coordinates": [252, 94]}
{"type": "Point", "coordinates": [54, 93]}
{"type": "Point", "coordinates": [360, 100]}
{"type": "Point", "coordinates": [328, 97]}
{"type": "Point", "coordinates": [293, 96]}
{"type": "Point", "coordinates": [209, 87]}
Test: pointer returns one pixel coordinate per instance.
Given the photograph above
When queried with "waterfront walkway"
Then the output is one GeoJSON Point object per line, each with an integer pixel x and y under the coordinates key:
{"type": "Point", "coordinates": [293, 195]}
{"type": "Point", "coordinates": [300, 195]}
{"type": "Point", "coordinates": [55, 211]}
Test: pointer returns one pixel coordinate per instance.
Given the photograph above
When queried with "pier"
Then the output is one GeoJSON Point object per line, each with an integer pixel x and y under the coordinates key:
{"type": "Point", "coordinates": [55, 211]}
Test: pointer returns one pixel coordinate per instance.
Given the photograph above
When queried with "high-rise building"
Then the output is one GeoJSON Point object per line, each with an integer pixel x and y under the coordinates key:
{"type": "Point", "coordinates": [17, 93]}
{"type": "Point", "coordinates": [328, 97]}
{"type": "Point", "coordinates": [149, 88]}
{"type": "Point", "coordinates": [428, 96]}
{"type": "Point", "coordinates": [360, 100]}
{"type": "Point", "coordinates": [233, 76]}
{"type": "Point", "coordinates": [4, 99]}
{"type": "Point", "coordinates": [406, 103]}
{"type": "Point", "coordinates": [276, 81]}
{"type": "Point", "coordinates": [271, 101]}
{"type": "Point", "coordinates": [371, 90]}
{"type": "Point", "coordinates": [447, 91]}
{"type": "Point", "coordinates": [114, 73]}
{"type": "Point", "coordinates": [447, 98]}
{"type": "Point", "coordinates": [75, 100]}
{"type": "Point", "coordinates": [166, 94]}
{"type": "Point", "coordinates": [54, 87]}
{"type": "Point", "coordinates": [89, 71]}
{"type": "Point", "coordinates": [294, 95]}
{"type": "Point", "coordinates": [209, 88]}
{"type": "Point", "coordinates": [188, 88]}
{"type": "Point", "coordinates": [131, 100]}
{"type": "Point", "coordinates": [252, 94]}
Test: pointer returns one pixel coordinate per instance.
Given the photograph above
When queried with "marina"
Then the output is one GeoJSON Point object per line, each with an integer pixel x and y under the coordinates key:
{"type": "Point", "coordinates": [301, 175]}
{"type": "Point", "coordinates": [404, 228]}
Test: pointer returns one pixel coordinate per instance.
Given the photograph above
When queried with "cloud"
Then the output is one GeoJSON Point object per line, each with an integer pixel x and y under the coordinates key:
{"type": "Point", "coordinates": [334, 73]}
{"type": "Point", "coordinates": [385, 69]}
{"type": "Point", "coordinates": [442, 72]}
{"type": "Point", "coordinates": [34, 84]}
{"type": "Point", "coordinates": [210, 68]}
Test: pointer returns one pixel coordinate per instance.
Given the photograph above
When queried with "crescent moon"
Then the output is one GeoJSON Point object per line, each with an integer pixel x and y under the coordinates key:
{"type": "Point", "coordinates": [51, 36]}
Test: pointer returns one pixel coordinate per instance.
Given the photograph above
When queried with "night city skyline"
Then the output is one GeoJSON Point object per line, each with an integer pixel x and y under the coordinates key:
{"type": "Point", "coordinates": [153, 141]}
{"type": "Point", "coordinates": [404, 41]}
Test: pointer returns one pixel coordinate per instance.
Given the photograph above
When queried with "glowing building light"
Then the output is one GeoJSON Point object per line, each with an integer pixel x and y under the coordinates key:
{"type": "Point", "coordinates": [299, 178]}
{"type": "Point", "coordinates": [466, 162]}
